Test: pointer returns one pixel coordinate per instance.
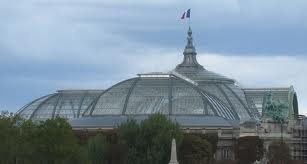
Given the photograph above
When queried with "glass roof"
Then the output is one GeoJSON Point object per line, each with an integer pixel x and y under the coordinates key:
{"type": "Point", "coordinates": [64, 103]}
{"type": "Point", "coordinates": [171, 95]}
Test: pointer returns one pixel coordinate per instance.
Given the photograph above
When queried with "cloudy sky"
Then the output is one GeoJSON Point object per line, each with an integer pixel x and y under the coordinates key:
{"type": "Point", "coordinates": [47, 45]}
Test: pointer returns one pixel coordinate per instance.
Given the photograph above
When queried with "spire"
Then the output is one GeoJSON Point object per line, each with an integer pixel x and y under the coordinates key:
{"type": "Point", "coordinates": [189, 61]}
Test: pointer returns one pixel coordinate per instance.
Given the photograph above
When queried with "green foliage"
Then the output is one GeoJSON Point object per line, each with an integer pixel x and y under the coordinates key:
{"type": "Point", "coordinates": [150, 141]}
{"type": "Point", "coordinates": [26, 142]}
{"type": "Point", "coordinates": [279, 152]}
{"type": "Point", "coordinates": [53, 142]}
{"type": "Point", "coordinates": [212, 138]}
{"type": "Point", "coordinates": [195, 148]}
{"type": "Point", "coordinates": [97, 149]}
{"type": "Point", "coordinates": [129, 135]}
{"type": "Point", "coordinates": [8, 137]}
{"type": "Point", "coordinates": [249, 149]}
{"type": "Point", "coordinates": [128, 132]}
{"type": "Point", "coordinates": [115, 153]}
{"type": "Point", "coordinates": [56, 140]}
{"type": "Point", "coordinates": [157, 132]}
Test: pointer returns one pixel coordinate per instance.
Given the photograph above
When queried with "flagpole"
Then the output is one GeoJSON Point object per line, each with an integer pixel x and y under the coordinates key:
{"type": "Point", "coordinates": [189, 10]}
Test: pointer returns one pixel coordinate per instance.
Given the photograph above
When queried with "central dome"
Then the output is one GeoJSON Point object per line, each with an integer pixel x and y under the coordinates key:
{"type": "Point", "coordinates": [187, 90]}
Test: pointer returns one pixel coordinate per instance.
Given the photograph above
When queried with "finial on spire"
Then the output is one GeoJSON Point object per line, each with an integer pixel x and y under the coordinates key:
{"type": "Point", "coordinates": [190, 31]}
{"type": "Point", "coordinates": [190, 42]}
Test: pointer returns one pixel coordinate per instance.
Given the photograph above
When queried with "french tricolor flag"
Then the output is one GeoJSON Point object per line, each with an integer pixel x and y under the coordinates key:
{"type": "Point", "coordinates": [186, 14]}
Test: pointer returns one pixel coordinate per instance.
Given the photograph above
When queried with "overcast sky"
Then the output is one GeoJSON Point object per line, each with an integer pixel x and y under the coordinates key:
{"type": "Point", "coordinates": [47, 45]}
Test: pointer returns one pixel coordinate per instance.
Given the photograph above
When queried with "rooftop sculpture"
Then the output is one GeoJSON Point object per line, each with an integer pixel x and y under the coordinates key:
{"type": "Point", "coordinates": [274, 109]}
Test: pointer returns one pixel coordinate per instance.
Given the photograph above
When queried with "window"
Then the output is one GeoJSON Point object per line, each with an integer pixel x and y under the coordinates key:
{"type": "Point", "coordinates": [226, 153]}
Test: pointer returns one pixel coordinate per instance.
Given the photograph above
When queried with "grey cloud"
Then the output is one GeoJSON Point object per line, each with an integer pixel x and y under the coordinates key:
{"type": "Point", "coordinates": [51, 28]}
{"type": "Point", "coordinates": [112, 40]}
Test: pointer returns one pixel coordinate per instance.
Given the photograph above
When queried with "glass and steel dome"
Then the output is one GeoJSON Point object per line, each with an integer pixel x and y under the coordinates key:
{"type": "Point", "coordinates": [188, 91]}
{"type": "Point", "coordinates": [171, 95]}
{"type": "Point", "coordinates": [65, 103]}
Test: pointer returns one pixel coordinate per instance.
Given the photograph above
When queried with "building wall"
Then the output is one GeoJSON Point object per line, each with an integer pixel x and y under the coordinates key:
{"type": "Point", "coordinates": [299, 139]}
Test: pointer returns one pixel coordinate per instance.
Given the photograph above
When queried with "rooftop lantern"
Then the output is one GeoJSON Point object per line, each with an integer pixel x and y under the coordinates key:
{"type": "Point", "coordinates": [189, 60]}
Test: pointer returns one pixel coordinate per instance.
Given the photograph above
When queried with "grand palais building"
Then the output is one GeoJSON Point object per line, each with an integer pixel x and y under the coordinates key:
{"type": "Point", "coordinates": [198, 99]}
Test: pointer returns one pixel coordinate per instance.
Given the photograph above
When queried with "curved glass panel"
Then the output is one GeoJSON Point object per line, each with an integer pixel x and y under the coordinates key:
{"type": "Point", "coordinates": [65, 103]}
{"type": "Point", "coordinates": [89, 97]}
{"type": "Point", "coordinates": [28, 110]}
{"type": "Point", "coordinates": [185, 99]}
{"type": "Point", "coordinates": [241, 111]}
{"type": "Point", "coordinates": [113, 100]}
{"type": "Point", "coordinates": [238, 92]}
{"type": "Point", "coordinates": [46, 109]}
{"type": "Point", "coordinates": [68, 105]}
{"type": "Point", "coordinates": [87, 112]}
{"type": "Point", "coordinates": [220, 108]}
{"type": "Point", "coordinates": [149, 96]}
{"type": "Point", "coordinates": [214, 90]}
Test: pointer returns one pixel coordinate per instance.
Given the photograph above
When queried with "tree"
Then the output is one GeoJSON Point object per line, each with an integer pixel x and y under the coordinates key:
{"type": "Point", "coordinates": [97, 149]}
{"type": "Point", "coordinates": [129, 136]}
{"type": "Point", "coordinates": [249, 149]}
{"type": "Point", "coordinates": [55, 141]}
{"type": "Point", "coordinates": [150, 141]}
{"type": "Point", "coordinates": [27, 142]}
{"type": "Point", "coordinates": [8, 138]}
{"type": "Point", "coordinates": [279, 153]}
{"type": "Point", "coordinates": [157, 132]}
{"type": "Point", "coordinates": [115, 153]}
{"type": "Point", "coordinates": [195, 150]}
{"type": "Point", "coordinates": [198, 147]}
{"type": "Point", "coordinates": [212, 138]}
